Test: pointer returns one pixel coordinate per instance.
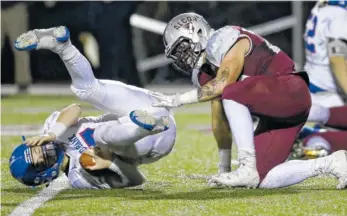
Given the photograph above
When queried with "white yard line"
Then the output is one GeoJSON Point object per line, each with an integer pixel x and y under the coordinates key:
{"type": "Point", "coordinates": [29, 206]}
{"type": "Point", "coordinates": [21, 129]}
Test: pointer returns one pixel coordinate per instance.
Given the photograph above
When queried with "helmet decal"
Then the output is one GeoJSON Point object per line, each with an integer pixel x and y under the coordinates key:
{"type": "Point", "coordinates": [184, 21]}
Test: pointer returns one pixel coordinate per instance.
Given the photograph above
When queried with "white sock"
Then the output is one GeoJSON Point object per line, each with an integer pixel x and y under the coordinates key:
{"type": "Point", "coordinates": [224, 160]}
{"type": "Point", "coordinates": [78, 66]}
{"type": "Point", "coordinates": [294, 172]}
{"type": "Point", "coordinates": [69, 53]}
{"type": "Point", "coordinates": [319, 114]}
{"type": "Point", "coordinates": [241, 124]}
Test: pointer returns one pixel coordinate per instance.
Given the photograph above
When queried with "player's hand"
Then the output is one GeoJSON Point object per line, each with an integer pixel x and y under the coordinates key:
{"type": "Point", "coordinates": [99, 162]}
{"type": "Point", "coordinates": [39, 140]}
{"type": "Point", "coordinates": [167, 101]}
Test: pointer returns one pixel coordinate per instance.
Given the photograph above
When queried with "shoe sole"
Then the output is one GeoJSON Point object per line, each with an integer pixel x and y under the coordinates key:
{"type": "Point", "coordinates": [29, 40]}
{"type": "Point", "coordinates": [139, 117]}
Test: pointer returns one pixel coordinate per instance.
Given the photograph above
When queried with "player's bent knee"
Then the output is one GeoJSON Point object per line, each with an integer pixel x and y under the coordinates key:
{"type": "Point", "coordinates": [162, 147]}
{"type": "Point", "coordinates": [234, 92]}
{"type": "Point", "coordinates": [85, 91]}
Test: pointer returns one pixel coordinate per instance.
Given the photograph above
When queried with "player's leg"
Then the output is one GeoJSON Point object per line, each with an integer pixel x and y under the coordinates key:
{"type": "Point", "coordinates": [338, 118]}
{"type": "Point", "coordinates": [285, 99]}
{"type": "Point", "coordinates": [329, 109]}
{"type": "Point", "coordinates": [327, 99]}
{"type": "Point", "coordinates": [153, 148]}
{"type": "Point", "coordinates": [117, 136]}
{"type": "Point", "coordinates": [84, 83]}
{"type": "Point", "coordinates": [107, 95]}
{"type": "Point", "coordinates": [319, 114]}
{"type": "Point", "coordinates": [296, 171]}
{"type": "Point", "coordinates": [272, 148]}
{"type": "Point", "coordinates": [335, 117]}
{"type": "Point", "coordinates": [222, 135]}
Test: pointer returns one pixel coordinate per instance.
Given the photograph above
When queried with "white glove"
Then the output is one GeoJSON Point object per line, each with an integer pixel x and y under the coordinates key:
{"type": "Point", "coordinates": [167, 101]}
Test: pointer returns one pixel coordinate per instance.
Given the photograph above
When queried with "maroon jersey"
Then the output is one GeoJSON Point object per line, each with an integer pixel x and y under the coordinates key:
{"type": "Point", "coordinates": [263, 58]}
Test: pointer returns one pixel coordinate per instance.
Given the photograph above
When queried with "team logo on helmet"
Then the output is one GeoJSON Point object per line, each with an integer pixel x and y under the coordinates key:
{"type": "Point", "coordinates": [184, 21]}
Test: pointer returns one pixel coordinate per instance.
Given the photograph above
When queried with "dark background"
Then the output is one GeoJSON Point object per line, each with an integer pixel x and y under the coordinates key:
{"type": "Point", "coordinates": [109, 23]}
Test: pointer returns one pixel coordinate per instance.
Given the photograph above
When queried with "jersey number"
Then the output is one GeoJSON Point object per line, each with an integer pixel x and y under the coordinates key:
{"type": "Point", "coordinates": [310, 33]}
{"type": "Point", "coordinates": [87, 136]}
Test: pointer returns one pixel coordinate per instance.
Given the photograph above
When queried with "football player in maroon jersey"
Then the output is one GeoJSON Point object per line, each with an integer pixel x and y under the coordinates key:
{"type": "Point", "coordinates": [243, 75]}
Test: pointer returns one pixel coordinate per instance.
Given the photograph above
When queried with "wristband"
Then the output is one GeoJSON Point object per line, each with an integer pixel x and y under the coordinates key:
{"type": "Point", "coordinates": [58, 129]}
{"type": "Point", "coordinates": [189, 97]}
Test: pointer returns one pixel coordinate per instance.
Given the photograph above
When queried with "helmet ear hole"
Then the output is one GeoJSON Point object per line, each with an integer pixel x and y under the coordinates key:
{"type": "Point", "coordinates": [200, 32]}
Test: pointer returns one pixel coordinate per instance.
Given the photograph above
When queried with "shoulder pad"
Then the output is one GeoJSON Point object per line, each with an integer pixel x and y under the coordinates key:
{"type": "Point", "coordinates": [220, 43]}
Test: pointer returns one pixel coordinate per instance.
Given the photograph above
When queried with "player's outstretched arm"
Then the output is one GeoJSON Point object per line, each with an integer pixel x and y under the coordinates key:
{"type": "Point", "coordinates": [228, 72]}
{"type": "Point", "coordinates": [68, 117]}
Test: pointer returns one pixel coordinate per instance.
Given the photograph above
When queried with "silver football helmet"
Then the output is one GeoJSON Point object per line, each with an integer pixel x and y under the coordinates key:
{"type": "Point", "coordinates": [185, 38]}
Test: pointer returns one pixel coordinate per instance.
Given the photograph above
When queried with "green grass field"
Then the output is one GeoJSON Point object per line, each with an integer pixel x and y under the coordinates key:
{"type": "Point", "coordinates": [176, 184]}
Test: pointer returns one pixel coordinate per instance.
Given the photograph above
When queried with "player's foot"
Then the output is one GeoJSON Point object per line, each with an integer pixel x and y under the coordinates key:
{"type": "Point", "coordinates": [221, 169]}
{"type": "Point", "coordinates": [149, 122]}
{"type": "Point", "coordinates": [245, 176]}
{"type": "Point", "coordinates": [53, 39]}
{"type": "Point", "coordinates": [214, 184]}
{"type": "Point", "coordinates": [338, 167]}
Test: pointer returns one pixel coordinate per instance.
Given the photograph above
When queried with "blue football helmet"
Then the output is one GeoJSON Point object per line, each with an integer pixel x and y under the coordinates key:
{"type": "Point", "coordinates": [27, 172]}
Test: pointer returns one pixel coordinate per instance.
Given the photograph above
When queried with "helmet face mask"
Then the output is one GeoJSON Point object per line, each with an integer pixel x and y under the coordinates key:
{"type": "Point", "coordinates": [43, 157]}
{"type": "Point", "coordinates": [185, 54]}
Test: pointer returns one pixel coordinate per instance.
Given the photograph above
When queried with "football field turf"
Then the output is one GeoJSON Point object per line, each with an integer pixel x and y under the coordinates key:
{"type": "Point", "coordinates": [176, 185]}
